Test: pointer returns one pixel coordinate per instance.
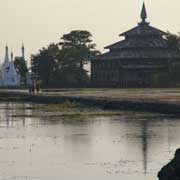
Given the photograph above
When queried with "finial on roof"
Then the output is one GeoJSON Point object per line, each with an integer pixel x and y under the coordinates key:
{"type": "Point", "coordinates": [23, 51]}
{"type": "Point", "coordinates": [6, 60]}
{"type": "Point", "coordinates": [143, 13]}
{"type": "Point", "coordinates": [22, 44]}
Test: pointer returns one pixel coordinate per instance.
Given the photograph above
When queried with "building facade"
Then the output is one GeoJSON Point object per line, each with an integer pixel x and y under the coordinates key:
{"type": "Point", "coordinates": [135, 60]}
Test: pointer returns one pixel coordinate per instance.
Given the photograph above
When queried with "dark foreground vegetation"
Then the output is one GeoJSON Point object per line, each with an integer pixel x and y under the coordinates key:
{"type": "Point", "coordinates": [172, 170]}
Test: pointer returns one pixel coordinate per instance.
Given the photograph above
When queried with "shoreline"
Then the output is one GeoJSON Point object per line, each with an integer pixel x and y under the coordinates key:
{"type": "Point", "coordinates": [169, 108]}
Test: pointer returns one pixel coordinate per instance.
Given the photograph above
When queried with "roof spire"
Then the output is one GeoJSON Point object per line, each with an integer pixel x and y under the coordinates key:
{"type": "Point", "coordinates": [22, 44]}
{"type": "Point", "coordinates": [143, 13]}
{"type": "Point", "coordinates": [6, 60]}
{"type": "Point", "coordinates": [23, 51]}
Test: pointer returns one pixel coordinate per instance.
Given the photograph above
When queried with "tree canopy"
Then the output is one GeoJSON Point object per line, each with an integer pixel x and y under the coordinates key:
{"type": "Point", "coordinates": [173, 77]}
{"type": "Point", "coordinates": [173, 40]}
{"type": "Point", "coordinates": [62, 64]}
{"type": "Point", "coordinates": [45, 63]}
{"type": "Point", "coordinates": [78, 46]}
{"type": "Point", "coordinates": [21, 67]}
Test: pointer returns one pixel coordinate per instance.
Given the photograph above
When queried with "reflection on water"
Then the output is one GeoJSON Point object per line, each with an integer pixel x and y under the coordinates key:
{"type": "Point", "coordinates": [41, 143]}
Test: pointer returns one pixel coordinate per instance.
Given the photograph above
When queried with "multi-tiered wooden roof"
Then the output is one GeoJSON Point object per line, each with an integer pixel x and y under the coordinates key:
{"type": "Point", "coordinates": [141, 42]}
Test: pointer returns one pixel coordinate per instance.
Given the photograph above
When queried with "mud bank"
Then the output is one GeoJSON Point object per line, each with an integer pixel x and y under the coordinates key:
{"type": "Point", "coordinates": [170, 108]}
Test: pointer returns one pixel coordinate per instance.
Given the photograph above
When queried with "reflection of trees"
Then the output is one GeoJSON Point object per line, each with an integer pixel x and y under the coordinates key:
{"type": "Point", "coordinates": [75, 134]}
{"type": "Point", "coordinates": [154, 136]}
{"type": "Point", "coordinates": [13, 113]}
{"type": "Point", "coordinates": [145, 144]}
{"type": "Point", "coordinates": [78, 146]}
{"type": "Point", "coordinates": [146, 136]}
{"type": "Point", "coordinates": [66, 119]}
{"type": "Point", "coordinates": [137, 140]}
{"type": "Point", "coordinates": [6, 114]}
{"type": "Point", "coordinates": [8, 110]}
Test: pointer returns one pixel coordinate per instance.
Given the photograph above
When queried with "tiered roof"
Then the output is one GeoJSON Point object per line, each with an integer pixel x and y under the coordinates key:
{"type": "Point", "coordinates": [143, 29]}
{"type": "Point", "coordinates": [138, 43]}
{"type": "Point", "coordinates": [142, 41]}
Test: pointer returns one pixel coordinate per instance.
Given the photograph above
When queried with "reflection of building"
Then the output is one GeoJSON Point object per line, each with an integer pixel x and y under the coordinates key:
{"type": "Point", "coordinates": [145, 145]}
{"type": "Point", "coordinates": [136, 60]}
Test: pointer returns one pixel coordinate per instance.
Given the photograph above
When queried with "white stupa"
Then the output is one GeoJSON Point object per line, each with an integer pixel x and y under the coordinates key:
{"type": "Point", "coordinates": [8, 73]}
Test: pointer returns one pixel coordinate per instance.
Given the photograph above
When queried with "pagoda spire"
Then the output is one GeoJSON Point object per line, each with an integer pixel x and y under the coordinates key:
{"type": "Point", "coordinates": [23, 51]}
{"type": "Point", "coordinates": [143, 13]}
{"type": "Point", "coordinates": [6, 60]}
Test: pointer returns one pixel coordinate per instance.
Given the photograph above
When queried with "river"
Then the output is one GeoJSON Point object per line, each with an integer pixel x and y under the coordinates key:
{"type": "Point", "coordinates": [47, 142]}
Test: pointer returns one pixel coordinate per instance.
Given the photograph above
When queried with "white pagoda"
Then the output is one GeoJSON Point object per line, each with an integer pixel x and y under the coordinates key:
{"type": "Point", "coordinates": [8, 73]}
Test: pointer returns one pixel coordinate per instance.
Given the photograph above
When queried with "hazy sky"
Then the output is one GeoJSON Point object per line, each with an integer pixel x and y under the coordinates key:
{"type": "Point", "coordinates": [39, 22]}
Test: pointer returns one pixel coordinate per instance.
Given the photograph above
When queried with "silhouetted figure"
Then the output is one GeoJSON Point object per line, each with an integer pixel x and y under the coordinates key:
{"type": "Point", "coordinates": [33, 87]}
{"type": "Point", "coordinates": [37, 87]}
{"type": "Point", "coordinates": [172, 170]}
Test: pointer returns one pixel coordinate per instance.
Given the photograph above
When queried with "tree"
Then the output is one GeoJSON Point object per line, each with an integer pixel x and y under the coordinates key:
{"type": "Point", "coordinates": [44, 63]}
{"type": "Point", "coordinates": [21, 67]}
{"type": "Point", "coordinates": [62, 64]}
{"type": "Point", "coordinates": [173, 40]}
{"type": "Point", "coordinates": [78, 47]}
{"type": "Point", "coordinates": [170, 78]}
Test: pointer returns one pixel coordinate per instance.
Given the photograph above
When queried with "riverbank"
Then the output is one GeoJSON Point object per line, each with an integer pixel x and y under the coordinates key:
{"type": "Point", "coordinates": [166, 101]}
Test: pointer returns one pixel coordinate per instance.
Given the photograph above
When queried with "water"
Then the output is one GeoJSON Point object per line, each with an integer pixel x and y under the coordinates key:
{"type": "Point", "coordinates": [38, 143]}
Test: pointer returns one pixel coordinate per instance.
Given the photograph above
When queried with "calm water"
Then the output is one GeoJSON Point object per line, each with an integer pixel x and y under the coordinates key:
{"type": "Point", "coordinates": [41, 143]}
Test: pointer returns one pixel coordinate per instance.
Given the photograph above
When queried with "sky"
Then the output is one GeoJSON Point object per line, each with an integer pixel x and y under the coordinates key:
{"type": "Point", "coordinates": [40, 22]}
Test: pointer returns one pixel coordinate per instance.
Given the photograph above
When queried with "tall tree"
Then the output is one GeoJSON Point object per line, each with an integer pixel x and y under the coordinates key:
{"type": "Point", "coordinates": [21, 67]}
{"type": "Point", "coordinates": [62, 64]}
{"type": "Point", "coordinates": [174, 43]}
{"type": "Point", "coordinates": [44, 63]}
{"type": "Point", "coordinates": [79, 47]}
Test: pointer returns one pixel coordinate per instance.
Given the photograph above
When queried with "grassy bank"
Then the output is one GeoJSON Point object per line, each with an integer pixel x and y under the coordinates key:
{"type": "Point", "coordinates": [164, 101]}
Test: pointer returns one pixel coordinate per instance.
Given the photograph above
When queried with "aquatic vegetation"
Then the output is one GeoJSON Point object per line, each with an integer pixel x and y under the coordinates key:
{"type": "Point", "coordinates": [73, 110]}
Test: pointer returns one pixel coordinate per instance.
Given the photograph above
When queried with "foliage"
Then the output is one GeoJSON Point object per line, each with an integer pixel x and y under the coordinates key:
{"type": "Point", "coordinates": [173, 40]}
{"type": "Point", "coordinates": [21, 67]}
{"type": "Point", "coordinates": [173, 78]}
{"type": "Point", "coordinates": [78, 46]}
{"type": "Point", "coordinates": [45, 63]}
{"type": "Point", "coordinates": [62, 64]}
